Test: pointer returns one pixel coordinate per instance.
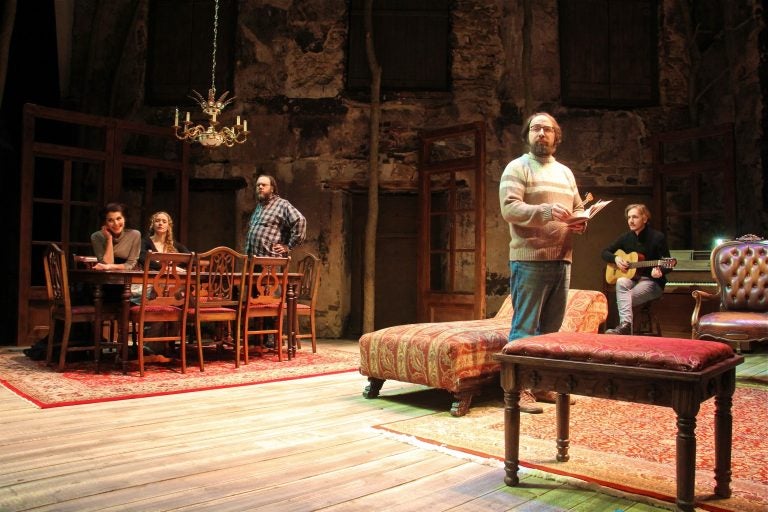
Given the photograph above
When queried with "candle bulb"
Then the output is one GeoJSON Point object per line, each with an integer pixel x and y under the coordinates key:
{"type": "Point", "coordinates": [187, 117]}
{"type": "Point", "coordinates": [238, 120]}
{"type": "Point", "coordinates": [176, 118]}
{"type": "Point", "coordinates": [245, 125]}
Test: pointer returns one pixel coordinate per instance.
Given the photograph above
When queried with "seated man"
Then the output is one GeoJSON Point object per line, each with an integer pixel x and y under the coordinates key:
{"type": "Point", "coordinates": [643, 282]}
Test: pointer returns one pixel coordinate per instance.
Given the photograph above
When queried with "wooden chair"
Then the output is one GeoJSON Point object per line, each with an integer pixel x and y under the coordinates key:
{"type": "Point", "coordinates": [165, 298]}
{"type": "Point", "coordinates": [216, 297]}
{"type": "Point", "coordinates": [740, 268]}
{"type": "Point", "coordinates": [306, 297]}
{"type": "Point", "coordinates": [267, 284]}
{"type": "Point", "coordinates": [62, 309]}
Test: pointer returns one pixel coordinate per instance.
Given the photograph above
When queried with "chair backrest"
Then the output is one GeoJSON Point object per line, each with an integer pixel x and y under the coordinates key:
{"type": "Point", "coordinates": [218, 274]}
{"type": "Point", "coordinates": [740, 268]}
{"type": "Point", "coordinates": [309, 267]}
{"type": "Point", "coordinates": [169, 285]}
{"type": "Point", "coordinates": [56, 278]}
{"type": "Point", "coordinates": [267, 280]}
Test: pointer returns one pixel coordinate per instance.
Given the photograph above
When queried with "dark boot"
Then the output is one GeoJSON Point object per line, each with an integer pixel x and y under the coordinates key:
{"type": "Point", "coordinates": [623, 328]}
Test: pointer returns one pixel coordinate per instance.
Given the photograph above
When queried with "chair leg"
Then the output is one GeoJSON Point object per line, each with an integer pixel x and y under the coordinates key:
{"type": "Point", "coordinates": [50, 342]}
{"type": "Point", "coordinates": [64, 345]}
{"type": "Point", "coordinates": [199, 339]}
{"type": "Point", "coordinates": [312, 331]}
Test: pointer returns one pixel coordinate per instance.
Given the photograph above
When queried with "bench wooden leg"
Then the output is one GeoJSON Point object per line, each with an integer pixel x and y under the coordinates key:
{"type": "Point", "coordinates": [724, 437]}
{"type": "Point", "coordinates": [511, 436]}
{"type": "Point", "coordinates": [563, 411]}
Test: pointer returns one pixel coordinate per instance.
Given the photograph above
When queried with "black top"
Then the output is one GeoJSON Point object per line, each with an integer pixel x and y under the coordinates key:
{"type": "Point", "coordinates": [649, 244]}
{"type": "Point", "coordinates": [148, 245]}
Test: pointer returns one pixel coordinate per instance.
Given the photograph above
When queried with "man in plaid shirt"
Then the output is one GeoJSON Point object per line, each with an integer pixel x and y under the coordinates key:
{"type": "Point", "coordinates": [276, 226]}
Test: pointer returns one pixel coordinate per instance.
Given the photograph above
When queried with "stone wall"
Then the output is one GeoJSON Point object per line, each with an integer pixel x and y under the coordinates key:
{"type": "Point", "coordinates": [313, 137]}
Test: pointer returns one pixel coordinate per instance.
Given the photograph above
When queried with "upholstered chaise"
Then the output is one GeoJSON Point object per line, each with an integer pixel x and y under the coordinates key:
{"type": "Point", "coordinates": [457, 356]}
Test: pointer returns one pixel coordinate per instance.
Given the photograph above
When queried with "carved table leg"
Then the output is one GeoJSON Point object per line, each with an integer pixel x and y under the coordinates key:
{"type": "Point", "coordinates": [373, 387]}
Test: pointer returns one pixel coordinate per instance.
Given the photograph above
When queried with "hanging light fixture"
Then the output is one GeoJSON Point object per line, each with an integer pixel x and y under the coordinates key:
{"type": "Point", "coordinates": [213, 136]}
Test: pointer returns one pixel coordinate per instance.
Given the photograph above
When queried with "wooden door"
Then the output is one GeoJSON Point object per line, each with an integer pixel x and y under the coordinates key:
{"type": "Point", "coordinates": [451, 257]}
{"type": "Point", "coordinates": [72, 163]}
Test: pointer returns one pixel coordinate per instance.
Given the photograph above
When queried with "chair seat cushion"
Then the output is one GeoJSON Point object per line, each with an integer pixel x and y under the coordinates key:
{"type": "Point", "coordinates": [734, 325]}
{"type": "Point", "coordinates": [676, 354]}
{"type": "Point", "coordinates": [150, 311]}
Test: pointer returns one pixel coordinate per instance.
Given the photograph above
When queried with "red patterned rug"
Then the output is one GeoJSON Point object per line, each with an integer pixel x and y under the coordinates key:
{"type": "Point", "coordinates": [624, 446]}
{"type": "Point", "coordinates": [78, 384]}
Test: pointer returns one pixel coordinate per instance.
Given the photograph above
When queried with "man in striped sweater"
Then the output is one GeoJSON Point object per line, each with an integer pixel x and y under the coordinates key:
{"type": "Point", "coordinates": [537, 195]}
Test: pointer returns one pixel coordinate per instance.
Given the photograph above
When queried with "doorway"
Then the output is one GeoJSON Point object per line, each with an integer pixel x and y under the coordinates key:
{"type": "Point", "coordinates": [396, 244]}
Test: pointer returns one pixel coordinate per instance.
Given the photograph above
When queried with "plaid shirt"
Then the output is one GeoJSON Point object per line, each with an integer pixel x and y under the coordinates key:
{"type": "Point", "coordinates": [274, 222]}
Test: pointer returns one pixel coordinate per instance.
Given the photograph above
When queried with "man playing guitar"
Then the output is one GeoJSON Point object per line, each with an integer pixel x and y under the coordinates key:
{"type": "Point", "coordinates": [644, 283]}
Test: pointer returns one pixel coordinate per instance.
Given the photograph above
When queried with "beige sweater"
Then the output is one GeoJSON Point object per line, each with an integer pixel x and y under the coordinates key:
{"type": "Point", "coordinates": [529, 186]}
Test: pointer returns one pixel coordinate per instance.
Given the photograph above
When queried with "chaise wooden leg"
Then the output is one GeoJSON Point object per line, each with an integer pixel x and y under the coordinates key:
{"type": "Point", "coordinates": [373, 387]}
{"type": "Point", "coordinates": [461, 403]}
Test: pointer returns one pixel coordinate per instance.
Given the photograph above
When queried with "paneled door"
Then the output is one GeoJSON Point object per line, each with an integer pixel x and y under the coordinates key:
{"type": "Point", "coordinates": [451, 257]}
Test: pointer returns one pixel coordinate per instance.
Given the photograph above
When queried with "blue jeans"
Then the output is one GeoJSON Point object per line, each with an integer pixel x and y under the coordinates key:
{"type": "Point", "coordinates": [631, 293]}
{"type": "Point", "coordinates": [539, 291]}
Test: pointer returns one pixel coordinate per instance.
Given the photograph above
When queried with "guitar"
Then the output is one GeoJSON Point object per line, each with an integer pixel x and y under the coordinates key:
{"type": "Point", "coordinates": [613, 273]}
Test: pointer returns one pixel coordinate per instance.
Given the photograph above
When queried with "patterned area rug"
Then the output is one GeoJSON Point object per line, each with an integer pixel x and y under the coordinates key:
{"type": "Point", "coordinates": [78, 384]}
{"type": "Point", "coordinates": [624, 446]}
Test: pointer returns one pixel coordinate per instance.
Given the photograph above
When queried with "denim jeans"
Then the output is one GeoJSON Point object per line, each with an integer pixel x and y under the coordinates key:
{"type": "Point", "coordinates": [631, 294]}
{"type": "Point", "coordinates": [539, 291]}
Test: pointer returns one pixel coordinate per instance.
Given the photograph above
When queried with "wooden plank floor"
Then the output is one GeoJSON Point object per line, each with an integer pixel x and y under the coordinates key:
{"type": "Point", "coordinates": [294, 446]}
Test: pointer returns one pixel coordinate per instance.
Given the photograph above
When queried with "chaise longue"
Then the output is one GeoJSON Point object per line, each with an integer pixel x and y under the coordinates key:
{"type": "Point", "coordinates": [457, 356]}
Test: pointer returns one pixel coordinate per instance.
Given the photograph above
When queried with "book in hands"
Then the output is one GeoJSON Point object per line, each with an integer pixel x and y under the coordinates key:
{"type": "Point", "coordinates": [587, 213]}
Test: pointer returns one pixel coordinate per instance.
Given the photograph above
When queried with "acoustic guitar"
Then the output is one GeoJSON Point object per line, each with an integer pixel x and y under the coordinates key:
{"type": "Point", "coordinates": [613, 273]}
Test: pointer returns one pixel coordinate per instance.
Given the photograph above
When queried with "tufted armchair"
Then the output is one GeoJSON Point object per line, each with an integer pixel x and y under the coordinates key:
{"type": "Point", "coordinates": [740, 268]}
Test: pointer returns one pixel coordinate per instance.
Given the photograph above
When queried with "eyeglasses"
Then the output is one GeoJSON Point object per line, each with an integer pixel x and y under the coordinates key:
{"type": "Point", "coordinates": [539, 127]}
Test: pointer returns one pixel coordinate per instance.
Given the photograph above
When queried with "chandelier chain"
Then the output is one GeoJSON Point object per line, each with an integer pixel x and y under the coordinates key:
{"type": "Point", "coordinates": [215, 36]}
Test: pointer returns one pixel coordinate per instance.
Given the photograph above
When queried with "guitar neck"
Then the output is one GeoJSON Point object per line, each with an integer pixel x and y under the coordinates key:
{"type": "Point", "coordinates": [643, 264]}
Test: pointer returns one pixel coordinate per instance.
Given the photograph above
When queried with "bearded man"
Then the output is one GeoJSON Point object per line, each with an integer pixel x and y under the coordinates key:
{"type": "Point", "coordinates": [537, 194]}
{"type": "Point", "coordinates": [276, 226]}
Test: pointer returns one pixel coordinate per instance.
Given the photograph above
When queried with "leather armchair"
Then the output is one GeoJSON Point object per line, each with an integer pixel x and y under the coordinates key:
{"type": "Point", "coordinates": [740, 268]}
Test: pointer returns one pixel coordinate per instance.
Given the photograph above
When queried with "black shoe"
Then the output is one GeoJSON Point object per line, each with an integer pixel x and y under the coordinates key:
{"type": "Point", "coordinates": [623, 328]}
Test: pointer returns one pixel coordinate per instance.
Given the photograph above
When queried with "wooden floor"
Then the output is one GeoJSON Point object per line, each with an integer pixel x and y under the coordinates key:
{"type": "Point", "coordinates": [294, 445]}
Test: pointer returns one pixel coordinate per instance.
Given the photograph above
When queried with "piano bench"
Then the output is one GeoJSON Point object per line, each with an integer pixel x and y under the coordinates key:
{"type": "Point", "coordinates": [671, 372]}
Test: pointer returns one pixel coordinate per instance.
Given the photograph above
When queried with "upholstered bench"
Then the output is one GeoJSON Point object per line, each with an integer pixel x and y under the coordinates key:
{"type": "Point", "coordinates": [671, 372]}
{"type": "Point", "coordinates": [457, 356]}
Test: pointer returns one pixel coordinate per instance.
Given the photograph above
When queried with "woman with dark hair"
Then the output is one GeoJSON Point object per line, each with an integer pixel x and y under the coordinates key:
{"type": "Point", "coordinates": [115, 247]}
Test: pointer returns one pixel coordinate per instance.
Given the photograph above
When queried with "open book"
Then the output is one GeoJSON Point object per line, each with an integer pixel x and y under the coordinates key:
{"type": "Point", "coordinates": [587, 213]}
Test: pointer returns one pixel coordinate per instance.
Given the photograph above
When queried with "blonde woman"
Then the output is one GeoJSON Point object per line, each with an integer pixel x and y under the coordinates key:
{"type": "Point", "coordinates": [160, 236]}
{"type": "Point", "coordinates": [159, 239]}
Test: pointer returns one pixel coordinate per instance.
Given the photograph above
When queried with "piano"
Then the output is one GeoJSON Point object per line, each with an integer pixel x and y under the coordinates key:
{"type": "Point", "coordinates": [692, 272]}
{"type": "Point", "coordinates": [675, 307]}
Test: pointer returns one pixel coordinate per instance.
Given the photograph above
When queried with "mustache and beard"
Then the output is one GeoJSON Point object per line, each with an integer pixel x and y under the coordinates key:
{"type": "Point", "coordinates": [543, 148]}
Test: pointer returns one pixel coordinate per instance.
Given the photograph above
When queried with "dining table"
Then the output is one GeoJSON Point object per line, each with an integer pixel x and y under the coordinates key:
{"type": "Point", "coordinates": [97, 279]}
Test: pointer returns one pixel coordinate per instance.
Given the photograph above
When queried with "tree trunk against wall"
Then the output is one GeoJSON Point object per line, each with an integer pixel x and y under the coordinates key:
{"type": "Point", "coordinates": [369, 265]}
{"type": "Point", "coordinates": [526, 57]}
{"type": "Point", "coordinates": [6, 31]}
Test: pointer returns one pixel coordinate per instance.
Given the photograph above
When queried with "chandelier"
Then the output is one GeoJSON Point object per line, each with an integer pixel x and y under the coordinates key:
{"type": "Point", "coordinates": [213, 136]}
